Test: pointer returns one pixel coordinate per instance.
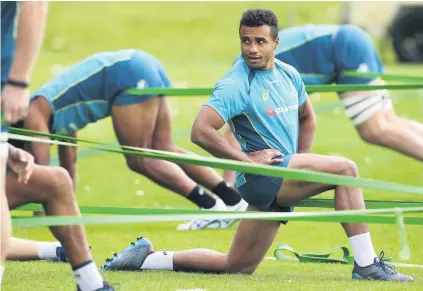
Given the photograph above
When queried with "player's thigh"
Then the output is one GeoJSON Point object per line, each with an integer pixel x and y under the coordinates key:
{"type": "Point", "coordinates": [39, 115]}
{"type": "Point", "coordinates": [252, 240]}
{"type": "Point", "coordinates": [39, 119]}
{"type": "Point", "coordinates": [163, 129]}
{"type": "Point", "coordinates": [41, 187]}
{"type": "Point", "coordinates": [292, 191]}
{"type": "Point", "coordinates": [134, 123]}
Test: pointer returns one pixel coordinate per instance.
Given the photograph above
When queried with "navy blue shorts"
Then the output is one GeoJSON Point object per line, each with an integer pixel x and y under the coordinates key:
{"type": "Point", "coordinates": [261, 191]}
{"type": "Point", "coordinates": [354, 50]}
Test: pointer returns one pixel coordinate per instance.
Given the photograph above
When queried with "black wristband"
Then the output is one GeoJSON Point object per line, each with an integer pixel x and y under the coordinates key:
{"type": "Point", "coordinates": [16, 83]}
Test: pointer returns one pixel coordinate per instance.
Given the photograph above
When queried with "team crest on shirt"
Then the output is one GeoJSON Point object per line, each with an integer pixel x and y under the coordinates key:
{"type": "Point", "coordinates": [265, 95]}
{"type": "Point", "coordinates": [142, 84]}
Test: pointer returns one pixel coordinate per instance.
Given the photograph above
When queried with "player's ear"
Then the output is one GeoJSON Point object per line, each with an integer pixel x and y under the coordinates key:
{"type": "Point", "coordinates": [275, 43]}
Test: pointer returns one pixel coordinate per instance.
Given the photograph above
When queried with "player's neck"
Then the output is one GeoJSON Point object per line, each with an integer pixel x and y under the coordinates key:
{"type": "Point", "coordinates": [269, 66]}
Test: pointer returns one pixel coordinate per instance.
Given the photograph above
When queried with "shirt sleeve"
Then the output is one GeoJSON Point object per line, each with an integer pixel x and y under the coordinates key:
{"type": "Point", "coordinates": [227, 100]}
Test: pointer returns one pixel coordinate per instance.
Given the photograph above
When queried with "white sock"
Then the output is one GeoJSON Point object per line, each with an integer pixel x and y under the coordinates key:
{"type": "Point", "coordinates": [219, 206]}
{"type": "Point", "coordinates": [4, 146]}
{"type": "Point", "coordinates": [88, 277]}
{"type": "Point", "coordinates": [364, 253]}
{"type": "Point", "coordinates": [1, 274]}
{"type": "Point", "coordinates": [159, 261]}
{"type": "Point", "coordinates": [47, 250]}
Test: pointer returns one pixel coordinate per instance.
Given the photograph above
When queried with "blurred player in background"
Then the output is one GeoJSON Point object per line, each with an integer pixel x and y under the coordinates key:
{"type": "Point", "coordinates": [95, 88]}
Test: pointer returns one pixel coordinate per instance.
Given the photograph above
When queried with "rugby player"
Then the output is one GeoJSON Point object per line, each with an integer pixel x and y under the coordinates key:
{"type": "Point", "coordinates": [255, 85]}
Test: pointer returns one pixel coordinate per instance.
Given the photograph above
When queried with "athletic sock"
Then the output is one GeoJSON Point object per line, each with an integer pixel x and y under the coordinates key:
{"type": "Point", "coordinates": [4, 146]}
{"type": "Point", "coordinates": [201, 198]}
{"type": "Point", "coordinates": [228, 194]}
{"type": "Point", "coordinates": [48, 250]}
{"type": "Point", "coordinates": [159, 261]}
{"type": "Point", "coordinates": [87, 276]}
{"type": "Point", "coordinates": [364, 253]}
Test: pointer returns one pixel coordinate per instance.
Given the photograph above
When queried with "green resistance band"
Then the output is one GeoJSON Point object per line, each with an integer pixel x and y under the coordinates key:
{"type": "Point", "coordinates": [346, 258]}
{"type": "Point", "coordinates": [320, 203]}
{"type": "Point", "coordinates": [347, 216]}
{"type": "Point", "coordinates": [383, 76]}
{"type": "Point", "coordinates": [310, 89]}
{"type": "Point", "coordinates": [295, 174]}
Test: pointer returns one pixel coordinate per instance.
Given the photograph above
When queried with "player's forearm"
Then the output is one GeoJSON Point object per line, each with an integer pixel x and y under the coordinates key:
{"type": "Point", "coordinates": [68, 157]}
{"type": "Point", "coordinates": [30, 33]}
{"type": "Point", "coordinates": [213, 142]}
{"type": "Point", "coordinates": [306, 134]}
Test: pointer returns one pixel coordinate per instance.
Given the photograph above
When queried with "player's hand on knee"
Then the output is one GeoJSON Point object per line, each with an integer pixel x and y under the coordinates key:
{"type": "Point", "coordinates": [21, 163]}
{"type": "Point", "coordinates": [15, 102]}
{"type": "Point", "coordinates": [267, 157]}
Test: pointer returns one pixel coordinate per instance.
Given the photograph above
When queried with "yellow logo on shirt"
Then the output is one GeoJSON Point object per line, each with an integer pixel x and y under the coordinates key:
{"type": "Point", "coordinates": [265, 95]}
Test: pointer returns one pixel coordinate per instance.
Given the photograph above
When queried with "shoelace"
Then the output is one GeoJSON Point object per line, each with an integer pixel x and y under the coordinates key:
{"type": "Point", "coordinates": [387, 268]}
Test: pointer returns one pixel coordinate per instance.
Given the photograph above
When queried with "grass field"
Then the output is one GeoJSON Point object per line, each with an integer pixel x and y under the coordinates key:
{"type": "Point", "coordinates": [197, 42]}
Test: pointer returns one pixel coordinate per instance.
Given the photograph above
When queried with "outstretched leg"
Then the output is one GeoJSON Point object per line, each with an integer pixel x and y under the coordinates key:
{"type": "Point", "coordinates": [29, 250]}
{"type": "Point", "coordinates": [162, 140]}
{"type": "Point", "coordinates": [135, 126]}
{"type": "Point", "coordinates": [388, 130]}
{"type": "Point", "coordinates": [250, 244]}
{"type": "Point", "coordinates": [377, 123]}
{"type": "Point", "coordinates": [253, 238]}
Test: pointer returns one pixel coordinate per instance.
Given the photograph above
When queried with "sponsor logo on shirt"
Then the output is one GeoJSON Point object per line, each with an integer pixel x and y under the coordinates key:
{"type": "Point", "coordinates": [278, 110]}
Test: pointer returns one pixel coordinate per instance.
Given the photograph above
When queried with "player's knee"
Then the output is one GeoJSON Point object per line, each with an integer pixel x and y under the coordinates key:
{"type": "Point", "coordinates": [61, 185]}
{"type": "Point", "coordinates": [244, 267]}
{"type": "Point", "coordinates": [246, 270]}
{"type": "Point", "coordinates": [348, 168]}
{"type": "Point", "coordinates": [138, 164]}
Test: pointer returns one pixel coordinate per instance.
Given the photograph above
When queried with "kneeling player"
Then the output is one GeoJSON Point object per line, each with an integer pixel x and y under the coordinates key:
{"type": "Point", "coordinates": [284, 140]}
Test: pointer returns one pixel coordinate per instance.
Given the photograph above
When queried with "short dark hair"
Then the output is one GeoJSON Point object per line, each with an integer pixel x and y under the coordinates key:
{"type": "Point", "coordinates": [259, 17]}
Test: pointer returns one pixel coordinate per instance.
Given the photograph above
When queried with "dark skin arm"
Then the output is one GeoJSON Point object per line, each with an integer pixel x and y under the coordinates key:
{"type": "Point", "coordinates": [307, 123]}
{"type": "Point", "coordinates": [68, 156]}
{"type": "Point", "coordinates": [205, 134]}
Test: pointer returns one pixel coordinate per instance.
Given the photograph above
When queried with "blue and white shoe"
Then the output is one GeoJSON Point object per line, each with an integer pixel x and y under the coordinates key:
{"type": "Point", "coordinates": [215, 223]}
{"type": "Point", "coordinates": [379, 271]}
{"type": "Point", "coordinates": [241, 206]}
{"type": "Point", "coordinates": [131, 258]}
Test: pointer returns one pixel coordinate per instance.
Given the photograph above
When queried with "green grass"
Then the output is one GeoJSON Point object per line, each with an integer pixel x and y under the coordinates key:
{"type": "Point", "coordinates": [197, 42]}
